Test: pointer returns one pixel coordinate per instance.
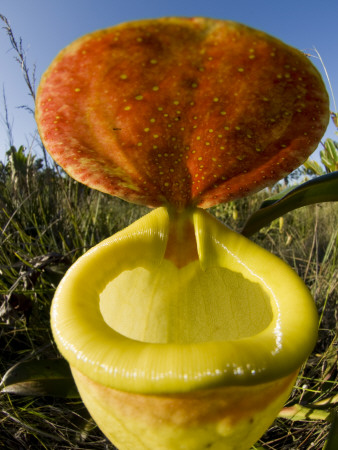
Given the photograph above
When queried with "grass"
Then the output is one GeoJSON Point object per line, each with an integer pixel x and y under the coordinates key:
{"type": "Point", "coordinates": [47, 221]}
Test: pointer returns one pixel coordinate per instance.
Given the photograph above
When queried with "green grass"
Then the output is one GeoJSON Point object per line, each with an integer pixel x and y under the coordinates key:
{"type": "Point", "coordinates": [47, 221]}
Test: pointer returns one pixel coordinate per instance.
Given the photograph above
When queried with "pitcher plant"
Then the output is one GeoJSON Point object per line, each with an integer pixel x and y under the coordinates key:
{"type": "Point", "coordinates": [181, 333]}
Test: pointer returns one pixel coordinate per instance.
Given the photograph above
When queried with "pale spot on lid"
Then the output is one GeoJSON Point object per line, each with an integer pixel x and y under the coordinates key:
{"type": "Point", "coordinates": [240, 69]}
{"type": "Point", "coordinates": [272, 54]}
{"type": "Point", "coordinates": [237, 128]}
{"type": "Point", "coordinates": [207, 143]}
{"type": "Point", "coordinates": [182, 128]}
{"type": "Point", "coordinates": [159, 155]}
{"type": "Point", "coordinates": [211, 130]}
{"type": "Point", "coordinates": [123, 76]}
{"type": "Point", "coordinates": [155, 136]}
{"type": "Point", "coordinates": [226, 128]}
{"type": "Point", "coordinates": [152, 120]}
{"type": "Point", "coordinates": [214, 159]}
{"type": "Point", "coordinates": [169, 125]}
{"type": "Point", "coordinates": [258, 149]}
{"type": "Point", "coordinates": [195, 117]}
{"type": "Point", "coordinates": [279, 76]}
{"type": "Point", "coordinates": [165, 115]}
{"type": "Point", "coordinates": [223, 113]}
{"type": "Point", "coordinates": [222, 148]}
{"type": "Point", "coordinates": [176, 102]}
{"type": "Point", "coordinates": [200, 158]}
{"type": "Point", "coordinates": [139, 39]}
{"type": "Point", "coordinates": [192, 103]}
{"type": "Point", "coordinates": [139, 144]}
{"type": "Point", "coordinates": [198, 138]}
{"type": "Point", "coordinates": [216, 99]}
{"type": "Point", "coordinates": [166, 155]}
{"type": "Point", "coordinates": [194, 85]}
{"type": "Point", "coordinates": [171, 170]}
{"type": "Point", "coordinates": [265, 99]}
{"type": "Point", "coordinates": [153, 61]}
{"type": "Point", "coordinates": [146, 129]}
{"type": "Point", "coordinates": [287, 75]}
{"type": "Point", "coordinates": [173, 138]}
{"type": "Point", "coordinates": [220, 135]}
{"type": "Point", "coordinates": [155, 88]}
{"type": "Point", "coordinates": [127, 108]}
{"type": "Point", "coordinates": [252, 56]}
{"type": "Point", "coordinates": [166, 184]}
{"type": "Point", "coordinates": [76, 90]}
{"type": "Point", "coordinates": [155, 147]}
{"type": "Point", "coordinates": [160, 108]}
{"type": "Point", "coordinates": [139, 97]}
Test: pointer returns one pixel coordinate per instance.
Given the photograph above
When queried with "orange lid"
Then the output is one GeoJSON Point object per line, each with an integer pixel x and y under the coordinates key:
{"type": "Point", "coordinates": [181, 111]}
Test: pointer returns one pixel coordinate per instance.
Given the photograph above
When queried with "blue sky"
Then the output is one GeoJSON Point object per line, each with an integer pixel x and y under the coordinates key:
{"type": "Point", "coordinates": [46, 26]}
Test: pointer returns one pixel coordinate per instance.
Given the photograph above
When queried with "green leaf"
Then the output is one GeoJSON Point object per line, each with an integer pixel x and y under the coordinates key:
{"type": "Point", "coordinates": [332, 440]}
{"type": "Point", "coordinates": [318, 190]}
{"type": "Point", "coordinates": [51, 377]}
{"type": "Point", "coordinates": [299, 412]}
{"type": "Point", "coordinates": [314, 167]}
{"type": "Point", "coordinates": [331, 150]}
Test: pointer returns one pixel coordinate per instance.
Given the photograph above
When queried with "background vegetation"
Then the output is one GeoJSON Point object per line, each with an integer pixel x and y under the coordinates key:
{"type": "Point", "coordinates": [47, 220]}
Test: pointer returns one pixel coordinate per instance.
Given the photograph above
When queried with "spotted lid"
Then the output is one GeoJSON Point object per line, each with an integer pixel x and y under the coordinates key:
{"type": "Point", "coordinates": [180, 111]}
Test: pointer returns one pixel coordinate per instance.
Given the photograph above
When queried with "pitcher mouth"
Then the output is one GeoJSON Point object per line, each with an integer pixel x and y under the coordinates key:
{"type": "Point", "coordinates": [185, 305]}
{"type": "Point", "coordinates": [101, 346]}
